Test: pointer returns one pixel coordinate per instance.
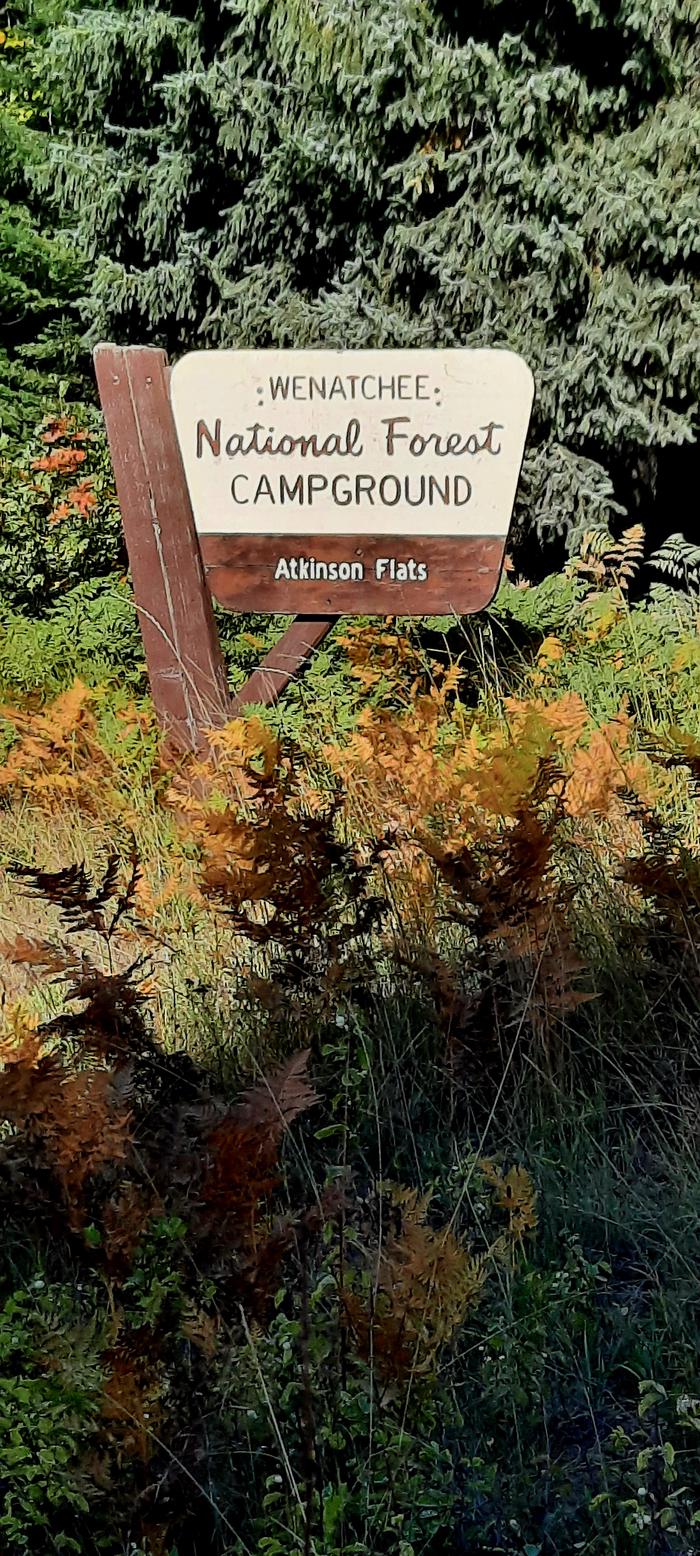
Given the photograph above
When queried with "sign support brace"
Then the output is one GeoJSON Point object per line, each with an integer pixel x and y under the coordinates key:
{"type": "Point", "coordinates": [183, 654]}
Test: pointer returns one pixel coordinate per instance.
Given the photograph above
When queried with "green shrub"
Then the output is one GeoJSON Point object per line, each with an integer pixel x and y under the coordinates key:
{"type": "Point", "coordinates": [50, 1381]}
{"type": "Point", "coordinates": [40, 273]}
{"type": "Point", "coordinates": [59, 520]}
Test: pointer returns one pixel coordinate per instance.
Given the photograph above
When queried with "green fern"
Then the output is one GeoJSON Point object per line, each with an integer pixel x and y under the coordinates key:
{"type": "Point", "coordinates": [679, 560]}
{"type": "Point", "coordinates": [93, 634]}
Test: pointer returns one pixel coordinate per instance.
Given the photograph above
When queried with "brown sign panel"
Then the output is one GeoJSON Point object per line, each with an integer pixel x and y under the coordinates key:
{"type": "Point", "coordinates": [333, 483]}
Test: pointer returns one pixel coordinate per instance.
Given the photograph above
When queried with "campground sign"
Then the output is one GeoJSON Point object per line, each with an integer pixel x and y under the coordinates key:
{"type": "Point", "coordinates": [311, 484]}
{"type": "Point", "coordinates": [371, 481]}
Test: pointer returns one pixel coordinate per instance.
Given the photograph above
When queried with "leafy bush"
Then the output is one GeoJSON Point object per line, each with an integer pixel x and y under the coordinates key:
{"type": "Point", "coordinates": [92, 635]}
{"type": "Point", "coordinates": [59, 520]}
{"type": "Point", "coordinates": [40, 273]}
{"type": "Point", "coordinates": [49, 1398]}
{"type": "Point", "coordinates": [168, 1199]}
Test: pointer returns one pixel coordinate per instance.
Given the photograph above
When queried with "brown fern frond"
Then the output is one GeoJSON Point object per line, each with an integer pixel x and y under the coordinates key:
{"type": "Point", "coordinates": [81, 901]}
{"type": "Point", "coordinates": [607, 562]}
{"type": "Point", "coordinates": [281, 1097]}
{"type": "Point", "coordinates": [125, 1221]}
{"type": "Point", "coordinates": [241, 1171]}
{"type": "Point", "coordinates": [285, 879]}
{"type": "Point", "coordinates": [670, 877]}
{"type": "Point", "coordinates": [92, 1130]}
{"type": "Point", "coordinates": [23, 952]}
{"type": "Point", "coordinates": [126, 898]}
{"type": "Point", "coordinates": [559, 973]}
{"type": "Point", "coordinates": [242, 1164]}
{"type": "Point", "coordinates": [79, 1119]}
{"type": "Point", "coordinates": [423, 1281]}
{"type": "Point", "coordinates": [110, 1024]}
{"type": "Point", "coordinates": [108, 886]}
{"type": "Point", "coordinates": [132, 1406]}
{"type": "Point", "coordinates": [69, 889]}
{"type": "Point", "coordinates": [501, 886]}
{"type": "Point", "coordinates": [515, 1193]}
{"type": "Point", "coordinates": [624, 559]}
{"type": "Point", "coordinates": [31, 1079]}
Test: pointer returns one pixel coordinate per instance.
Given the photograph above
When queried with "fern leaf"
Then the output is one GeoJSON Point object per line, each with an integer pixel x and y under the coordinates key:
{"type": "Point", "coordinates": [281, 1097]}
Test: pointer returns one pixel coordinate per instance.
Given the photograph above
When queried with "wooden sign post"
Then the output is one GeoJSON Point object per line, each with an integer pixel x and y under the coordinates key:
{"type": "Point", "coordinates": [307, 483]}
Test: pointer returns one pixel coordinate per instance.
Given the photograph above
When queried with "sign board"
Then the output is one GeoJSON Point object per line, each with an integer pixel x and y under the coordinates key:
{"type": "Point", "coordinates": [312, 484]}
{"type": "Point", "coordinates": [343, 482]}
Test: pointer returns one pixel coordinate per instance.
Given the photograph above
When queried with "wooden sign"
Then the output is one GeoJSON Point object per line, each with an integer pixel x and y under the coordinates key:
{"type": "Point", "coordinates": [352, 482]}
{"type": "Point", "coordinates": [305, 483]}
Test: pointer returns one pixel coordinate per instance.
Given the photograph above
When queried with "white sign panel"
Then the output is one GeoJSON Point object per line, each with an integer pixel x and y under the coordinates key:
{"type": "Point", "coordinates": [359, 443]}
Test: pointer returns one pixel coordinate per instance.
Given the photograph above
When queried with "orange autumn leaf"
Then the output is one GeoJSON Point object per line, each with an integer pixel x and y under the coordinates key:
{"type": "Point", "coordinates": [550, 650]}
{"type": "Point", "coordinates": [61, 427]}
{"type": "Point", "coordinates": [598, 773]}
{"type": "Point", "coordinates": [80, 499]}
{"type": "Point", "coordinates": [451, 679]}
{"type": "Point", "coordinates": [82, 496]}
{"type": "Point", "coordinates": [567, 719]}
{"type": "Point", "coordinates": [58, 428]}
{"type": "Point", "coordinates": [61, 512]}
{"type": "Point", "coordinates": [595, 779]}
{"type": "Point", "coordinates": [63, 461]}
{"type": "Point", "coordinates": [58, 756]}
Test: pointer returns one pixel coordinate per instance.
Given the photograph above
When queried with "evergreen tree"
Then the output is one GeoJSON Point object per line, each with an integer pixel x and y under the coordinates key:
{"type": "Point", "coordinates": [411, 173]}
{"type": "Point", "coordinates": [59, 525]}
{"type": "Point", "coordinates": [40, 275]}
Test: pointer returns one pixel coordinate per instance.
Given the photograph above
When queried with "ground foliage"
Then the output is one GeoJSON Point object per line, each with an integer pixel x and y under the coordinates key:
{"type": "Point", "coordinates": [349, 1166]}
{"type": "Point", "coordinates": [61, 526]}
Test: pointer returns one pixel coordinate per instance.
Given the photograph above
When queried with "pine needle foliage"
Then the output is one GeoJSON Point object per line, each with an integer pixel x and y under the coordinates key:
{"type": "Point", "coordinates": [260, 173]}
{"type": "Point", "coordinates": [40, 272]}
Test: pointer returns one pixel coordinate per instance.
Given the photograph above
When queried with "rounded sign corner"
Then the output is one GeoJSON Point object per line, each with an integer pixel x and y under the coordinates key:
{"type": "Point", "coordinates": [523, 369]}
{"type": "Point", "coordinates": [187, 363]}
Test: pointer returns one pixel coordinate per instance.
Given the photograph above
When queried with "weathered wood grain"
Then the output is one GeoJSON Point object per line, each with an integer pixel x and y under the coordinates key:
{"type": "Point", "coordinates": [185, 663]}
{"type": "Point", "coordinates": [284, 662]}
{"type": "Point", "coordinates": [463, 574]}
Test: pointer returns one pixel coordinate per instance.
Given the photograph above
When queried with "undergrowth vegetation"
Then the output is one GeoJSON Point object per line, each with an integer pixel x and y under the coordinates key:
{"type": "Point", "coordinates": [350, 1072]}
{"type": "Point", "coordinates": [350, 1093]}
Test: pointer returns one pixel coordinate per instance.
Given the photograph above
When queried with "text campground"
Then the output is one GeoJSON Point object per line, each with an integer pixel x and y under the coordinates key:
{"type": "Point", "coordinates": [357, 491]}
